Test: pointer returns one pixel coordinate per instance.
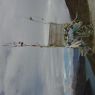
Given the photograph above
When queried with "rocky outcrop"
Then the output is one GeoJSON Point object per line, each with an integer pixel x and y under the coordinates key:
{"type": "Point", "coordinates": [92, 17]}
{"type": "Point", "coordinates": [86, 13]}
{"type": "Point", "coordinates": [79, 7]}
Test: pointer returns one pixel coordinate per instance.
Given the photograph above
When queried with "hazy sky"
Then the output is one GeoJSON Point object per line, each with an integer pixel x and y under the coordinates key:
{"type": "Point", "coordinates": [31, 71]}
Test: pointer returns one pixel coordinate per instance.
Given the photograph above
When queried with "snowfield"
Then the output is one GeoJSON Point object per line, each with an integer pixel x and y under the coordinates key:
{"type": "Point", "coordinates": [33, 71]}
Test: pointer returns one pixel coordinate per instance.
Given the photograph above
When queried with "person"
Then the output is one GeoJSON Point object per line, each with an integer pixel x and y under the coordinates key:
{"type": "Point", "coordinates": [21, 43]}
{"type": "Point", "coordinates": [66, 30]}
{"type": "Point", "coordinates": [71, 29]}
{"type": "Point", "coordinates": [70, 36]}
{"type": "Point", "coordinates": [76, 26]}
{"type": "Point", "coordinates": [30, 18]}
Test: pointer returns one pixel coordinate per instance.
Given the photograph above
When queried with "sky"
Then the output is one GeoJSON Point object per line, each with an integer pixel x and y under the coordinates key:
{"type": "Point", "coordinates": [31, 71]}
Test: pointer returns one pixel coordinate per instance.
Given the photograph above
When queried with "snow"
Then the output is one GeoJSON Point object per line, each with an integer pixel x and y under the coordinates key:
{"type": "Point", "coordinates": [32, 71]}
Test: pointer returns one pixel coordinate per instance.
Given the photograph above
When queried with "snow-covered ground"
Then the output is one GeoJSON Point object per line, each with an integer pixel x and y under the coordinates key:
{"type": "Point", "coordinates": [32, 71]}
